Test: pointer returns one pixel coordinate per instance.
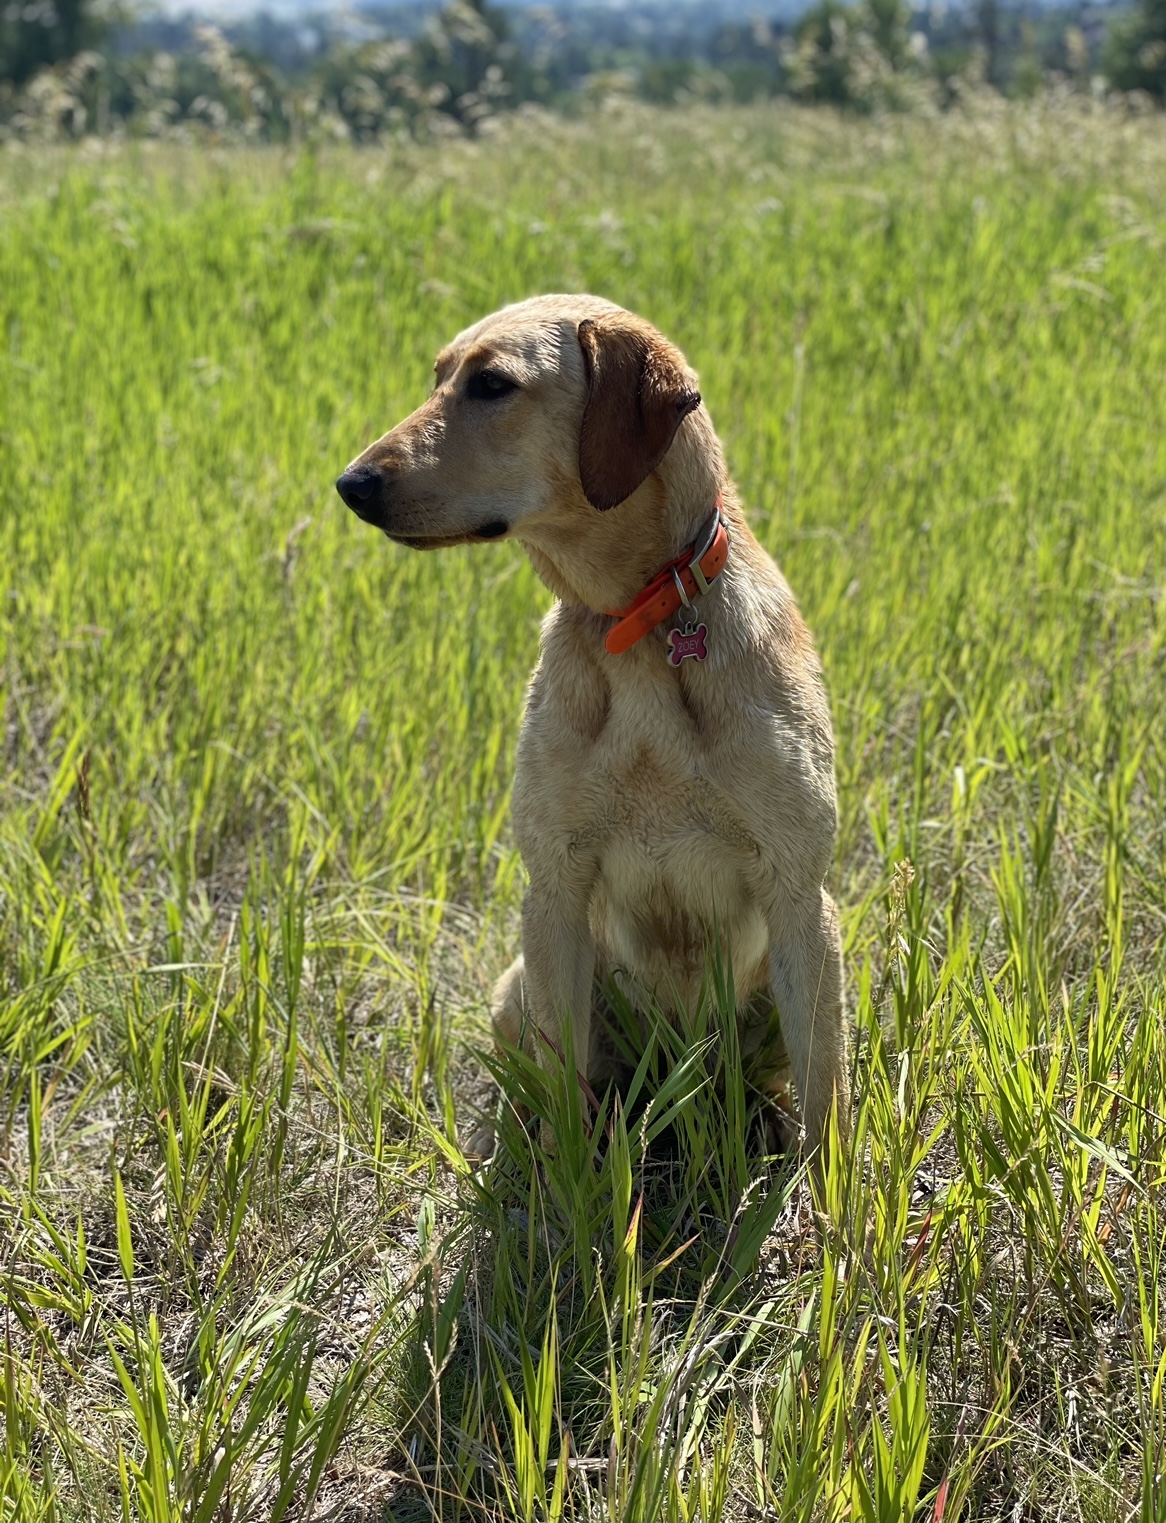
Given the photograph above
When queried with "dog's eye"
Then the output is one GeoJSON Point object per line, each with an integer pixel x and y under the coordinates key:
{"type": "Point", "coordinates": [488, 386]}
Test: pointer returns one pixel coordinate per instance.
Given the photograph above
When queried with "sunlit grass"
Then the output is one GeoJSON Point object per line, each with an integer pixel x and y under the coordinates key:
{"type": "Point", "coordinates": [256, 873]}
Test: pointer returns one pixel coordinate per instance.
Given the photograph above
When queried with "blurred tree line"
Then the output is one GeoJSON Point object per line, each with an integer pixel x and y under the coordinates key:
{"type": "Point", "coordinates": [39, 33]}
{"type": "Point", "coordinates": [75, 67]}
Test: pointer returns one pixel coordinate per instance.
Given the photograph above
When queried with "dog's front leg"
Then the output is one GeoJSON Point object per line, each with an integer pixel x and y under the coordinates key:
{"type": "Point", "coordinates": [560, 968]}
{"type": "Point", "coordinates": [805, 969]}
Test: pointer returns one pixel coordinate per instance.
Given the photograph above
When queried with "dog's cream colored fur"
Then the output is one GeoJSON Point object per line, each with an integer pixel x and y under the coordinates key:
{"type": "Point", "coordinates": [655, 807]}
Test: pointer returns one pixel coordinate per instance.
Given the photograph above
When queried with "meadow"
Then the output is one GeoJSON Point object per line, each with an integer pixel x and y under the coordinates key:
{"type": "Point", "coordinates": [256, 872]}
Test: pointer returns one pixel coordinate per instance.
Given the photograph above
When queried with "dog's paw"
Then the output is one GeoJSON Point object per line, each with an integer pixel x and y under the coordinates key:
{"type": "Point", "coordinates": [781, 1128]}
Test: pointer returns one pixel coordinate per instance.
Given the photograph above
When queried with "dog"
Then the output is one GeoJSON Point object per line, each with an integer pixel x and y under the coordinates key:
{"type": "Point", "coordinates": [675, 783]}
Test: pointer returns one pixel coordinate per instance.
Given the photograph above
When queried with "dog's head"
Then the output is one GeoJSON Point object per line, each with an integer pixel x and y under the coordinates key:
{"type": "Point", "coordinates": [557, 403]}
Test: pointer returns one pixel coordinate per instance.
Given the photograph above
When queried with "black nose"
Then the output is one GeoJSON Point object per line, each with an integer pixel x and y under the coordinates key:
{"type": "Point", "coordinates": [361, 490]}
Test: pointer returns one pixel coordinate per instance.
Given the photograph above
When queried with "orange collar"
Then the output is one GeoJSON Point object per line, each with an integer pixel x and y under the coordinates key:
{"type": "Point", "coordinates": [674, 586]}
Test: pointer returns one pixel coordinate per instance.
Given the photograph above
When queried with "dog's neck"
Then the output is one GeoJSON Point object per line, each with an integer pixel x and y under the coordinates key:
{"type": "Point", "coordinates": [604, 560]}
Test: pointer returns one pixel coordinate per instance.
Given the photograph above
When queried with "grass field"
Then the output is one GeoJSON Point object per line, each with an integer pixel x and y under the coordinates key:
{"type": "Point", "coordinates": [256, 873]}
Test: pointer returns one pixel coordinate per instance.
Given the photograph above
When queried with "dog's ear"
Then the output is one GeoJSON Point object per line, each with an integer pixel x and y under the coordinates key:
{"type": "Point", "coordinates": [638, 394]}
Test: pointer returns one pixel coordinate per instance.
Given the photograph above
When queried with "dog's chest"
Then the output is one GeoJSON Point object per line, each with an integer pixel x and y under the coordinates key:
{"type": "Point", "coordinates": [649, 809]}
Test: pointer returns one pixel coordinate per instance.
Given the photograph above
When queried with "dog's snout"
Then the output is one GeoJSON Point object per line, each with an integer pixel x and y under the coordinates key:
{"type": "Point", "coordinates": [361, 488]}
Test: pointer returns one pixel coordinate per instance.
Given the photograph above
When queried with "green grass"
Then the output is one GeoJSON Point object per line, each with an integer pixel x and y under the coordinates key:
{"type": "Point", "coordinates": [256, 872]}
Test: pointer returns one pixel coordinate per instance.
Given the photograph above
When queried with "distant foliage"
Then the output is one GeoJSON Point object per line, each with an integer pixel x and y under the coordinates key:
{"type": "Point", "coordinates": [1137, 50]}
{"type": "Point", "coordinates": [860, 56]}
{"type": "Point", "coordinates": [461, 69]}
{"type": "Point", "coordinates": [35, 34]}
{"type": "Point", "coordinates": [61, 77]}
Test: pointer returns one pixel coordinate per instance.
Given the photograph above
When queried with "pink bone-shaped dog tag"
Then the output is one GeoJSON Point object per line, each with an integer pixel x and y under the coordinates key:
{"type": "Point", "coordinates": [690, 643]}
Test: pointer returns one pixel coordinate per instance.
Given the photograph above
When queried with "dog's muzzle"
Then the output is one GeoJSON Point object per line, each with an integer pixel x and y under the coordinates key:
{"type": "Point", "coordinates": [362, 489]}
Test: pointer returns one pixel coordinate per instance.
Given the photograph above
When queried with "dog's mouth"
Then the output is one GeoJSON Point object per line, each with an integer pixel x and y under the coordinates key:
{"type": "Point", "coordinates": [495, 529]}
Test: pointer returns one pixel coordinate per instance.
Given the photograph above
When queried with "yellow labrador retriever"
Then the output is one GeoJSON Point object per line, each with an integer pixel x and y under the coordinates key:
{"type": "Point", "coordinates": [675, 777]}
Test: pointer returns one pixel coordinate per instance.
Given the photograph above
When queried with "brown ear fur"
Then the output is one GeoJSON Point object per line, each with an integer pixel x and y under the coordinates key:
{"type": "Point", "coordinates": [638, 394]}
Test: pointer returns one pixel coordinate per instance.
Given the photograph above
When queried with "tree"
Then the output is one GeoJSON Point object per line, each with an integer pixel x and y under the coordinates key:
{"type": "Point", "coordinates": [38, 33]}
{"type": "Point", "coordinates": [851, 55]}
{"type": "Point", "coordinates": [888, 23]}
{"type": "Point", "coordinates": [820, 63]}
{"type": "Point", "coordinates": [1136, 50]}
